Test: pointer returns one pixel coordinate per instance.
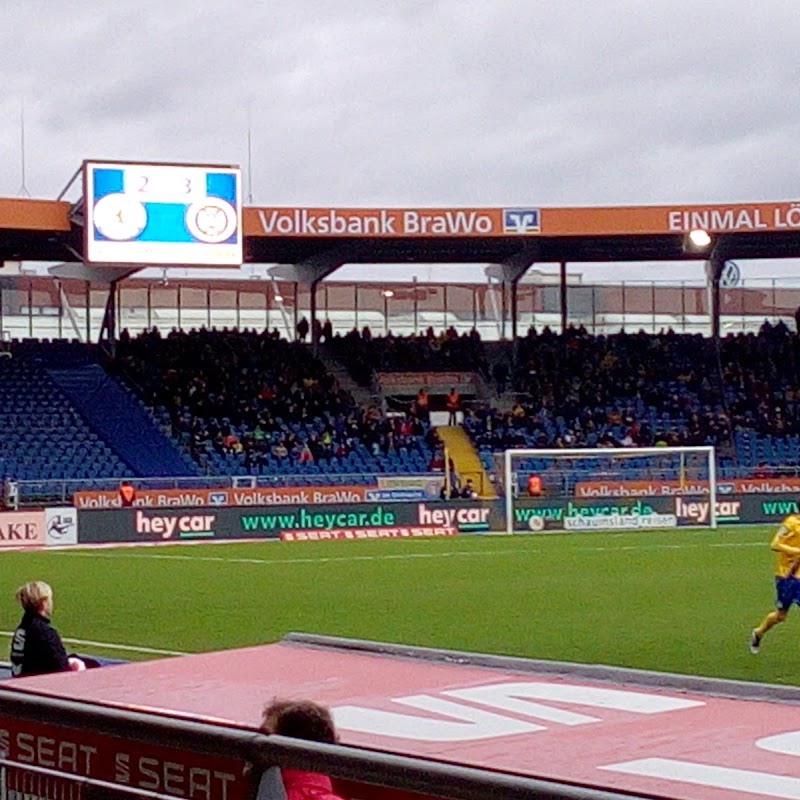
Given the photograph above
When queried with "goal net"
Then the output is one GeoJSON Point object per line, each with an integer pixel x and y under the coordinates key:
{"type": "Point", "coordinates": [609, 488]}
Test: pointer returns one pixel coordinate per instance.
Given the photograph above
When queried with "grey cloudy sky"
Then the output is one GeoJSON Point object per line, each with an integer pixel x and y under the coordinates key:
{"type": "Point", "coordinates": [414, 102]}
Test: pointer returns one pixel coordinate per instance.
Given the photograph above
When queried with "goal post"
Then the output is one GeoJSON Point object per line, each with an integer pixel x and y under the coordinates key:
{"type": "Point", "coordinates": [609, 488]}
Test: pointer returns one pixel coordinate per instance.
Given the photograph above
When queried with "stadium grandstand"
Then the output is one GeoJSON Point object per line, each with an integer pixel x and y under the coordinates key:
{"type": "Point", "coordinates": [205, 404]}
{"type": "Point", "coordinates": [297, 380]}
{"type": "Point", "coordinates": [114, 383]}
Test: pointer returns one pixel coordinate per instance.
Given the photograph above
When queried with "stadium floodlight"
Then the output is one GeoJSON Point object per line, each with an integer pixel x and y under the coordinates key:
{"type": "Point", "coordinates": [697, 241]}
{"type": "Point", "coordinates": [610, 488]}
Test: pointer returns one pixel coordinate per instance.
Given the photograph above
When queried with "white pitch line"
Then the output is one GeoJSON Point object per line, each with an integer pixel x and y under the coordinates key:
{"type": "Point", "coordinates": [677, 546]}
{"type": "Point", "coordinates": [130, 648]}
{"type": "Point", "coordinates": [284, 561]}
{"type": "Point", "coordinates": [395, 556]}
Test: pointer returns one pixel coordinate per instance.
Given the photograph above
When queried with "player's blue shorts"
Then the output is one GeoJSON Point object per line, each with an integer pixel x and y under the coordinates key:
{"type": "Point", "coordinates": [787, 591]}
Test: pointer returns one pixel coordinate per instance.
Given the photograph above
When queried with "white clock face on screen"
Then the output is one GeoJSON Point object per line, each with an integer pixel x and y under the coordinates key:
{"type": "Point", "coordinates": [119, 217]}
{"type": "Point", "coordinates": [211, 220]}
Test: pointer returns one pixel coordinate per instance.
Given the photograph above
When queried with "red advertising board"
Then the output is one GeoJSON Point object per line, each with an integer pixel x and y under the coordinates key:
{"type": "Point", "coordinates": [669, 488]}
{"type": "Point", "coordinates": [125, 762]}
{"type": "Point", "coordinates": [225, 496]}
{"type": "Point", "coordinates": [402, 532]}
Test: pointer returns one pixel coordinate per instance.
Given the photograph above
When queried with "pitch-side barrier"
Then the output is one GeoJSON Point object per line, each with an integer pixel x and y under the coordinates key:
{"type": "Point", "coordinates": [91, 752]}
{"type": "Point", "coordinates": [379, 519]}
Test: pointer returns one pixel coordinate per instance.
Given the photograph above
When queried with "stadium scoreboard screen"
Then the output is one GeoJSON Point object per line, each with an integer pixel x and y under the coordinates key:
{"type": "Point", "coordinates": [162, 214]}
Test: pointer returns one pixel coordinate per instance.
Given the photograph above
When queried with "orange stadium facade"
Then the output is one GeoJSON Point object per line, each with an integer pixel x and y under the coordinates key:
{"type": "Point", "coordinates": [308, 245]}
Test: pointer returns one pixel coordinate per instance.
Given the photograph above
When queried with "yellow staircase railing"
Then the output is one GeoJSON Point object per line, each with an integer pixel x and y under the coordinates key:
{"type": "Point", "coordinates": [466, 461]}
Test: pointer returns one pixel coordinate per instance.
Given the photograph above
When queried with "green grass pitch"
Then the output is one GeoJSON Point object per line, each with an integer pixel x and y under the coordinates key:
{"type": "Point", "coordinates": [679, 601]}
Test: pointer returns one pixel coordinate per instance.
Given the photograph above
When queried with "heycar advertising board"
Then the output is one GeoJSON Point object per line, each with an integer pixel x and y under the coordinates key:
{"type": "Point", "coordinates": [585, 515]}
{"type": "Point", "coordinates": [392, 519]}
{"type": "Point", "coordinates": [302, 522]}
{"type": "Point", "coordinates": [652, 512]}
{"type": "Point", "coordinates": [764, 508]}
{"type": "Point", "coordinates": [735, 509]}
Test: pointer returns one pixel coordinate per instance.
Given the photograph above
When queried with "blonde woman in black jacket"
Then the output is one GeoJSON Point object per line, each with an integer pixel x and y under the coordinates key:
{"type": "Point", "coordinates": [36, 647]}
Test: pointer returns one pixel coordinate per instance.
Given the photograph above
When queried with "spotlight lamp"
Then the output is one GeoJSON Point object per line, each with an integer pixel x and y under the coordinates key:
{"type": "Point", "coordinates": [698, 240]}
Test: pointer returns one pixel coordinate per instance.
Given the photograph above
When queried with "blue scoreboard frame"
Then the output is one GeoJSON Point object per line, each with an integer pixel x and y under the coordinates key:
{"type": "Point", "coordinates": [162, 214]}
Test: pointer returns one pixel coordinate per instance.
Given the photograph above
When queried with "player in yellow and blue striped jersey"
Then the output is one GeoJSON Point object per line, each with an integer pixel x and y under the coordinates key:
{"type": "Point", "coordinates": [786, 543]}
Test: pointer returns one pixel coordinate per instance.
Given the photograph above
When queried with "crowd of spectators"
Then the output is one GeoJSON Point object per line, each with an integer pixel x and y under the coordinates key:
{"type": "Point", "coordinates": [761, 380]}
{"type": "Point", "coordinates": [448, 351]}
{"type": "Point", "coordinates": [576, 390]}
{"type": "Point", "coordinates": [258, 395]}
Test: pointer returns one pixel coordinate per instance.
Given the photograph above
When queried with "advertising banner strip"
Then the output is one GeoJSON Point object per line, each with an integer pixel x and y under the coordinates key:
{"type": "Point", "coordinates": [429, 485]}
{"type": "Point", "coordinates": [129, 763]}
{"type": "Point", "coordinates": [387, 223]}
{"type": "Point", "coordinates": [149, 525]}
{"type": "Point", "coordinates": [22, 529]}
{"type": "Point", "coordinates": [225, 496]}
{"type": "Point", "coordinates": [393, 223]}
{"type": "Point", "coordinates": [632, 220]}
{"type": "Point", "coordinates": [382, 223]}
{"type": "Point", "coordinates": [366, 533]}
{"type": "Point", "coordinates": [543, 514]}
{"type": "Point", "coordinates": [61, 526]}
{"type": "Point", "coordinates": [413, 381]}
{"type": "Point", "coordinates": [654, 488]}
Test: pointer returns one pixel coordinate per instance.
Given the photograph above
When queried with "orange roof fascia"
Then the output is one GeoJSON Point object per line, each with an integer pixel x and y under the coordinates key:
{"type": "Point", "coordinates": [18, 213]}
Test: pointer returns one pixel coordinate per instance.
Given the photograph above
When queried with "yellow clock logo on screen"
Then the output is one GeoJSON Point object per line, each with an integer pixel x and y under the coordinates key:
{"type": "Point", "coordinates": [119, 217]}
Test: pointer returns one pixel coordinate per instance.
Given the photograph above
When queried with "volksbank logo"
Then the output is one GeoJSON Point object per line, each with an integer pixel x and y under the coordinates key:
{"type": "Point", "coordinates": [521, 220]}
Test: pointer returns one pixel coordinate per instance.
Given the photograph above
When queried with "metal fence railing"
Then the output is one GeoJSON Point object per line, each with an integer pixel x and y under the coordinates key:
{"type": "Point", "coordinates": [47, 307]}
{"type": "Point", "coordinates": [90, 752]}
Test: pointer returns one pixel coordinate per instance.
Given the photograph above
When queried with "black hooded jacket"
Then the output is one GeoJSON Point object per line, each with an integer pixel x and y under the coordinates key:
{"type": "Point", "coordinates": [36, 647]}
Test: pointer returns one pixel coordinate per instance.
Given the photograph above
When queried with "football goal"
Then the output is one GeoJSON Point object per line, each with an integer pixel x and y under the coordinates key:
{"type": "Point", "coordinates": [609, 488]}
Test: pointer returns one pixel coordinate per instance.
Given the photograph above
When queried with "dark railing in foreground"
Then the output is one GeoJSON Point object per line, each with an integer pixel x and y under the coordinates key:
{"type": "Point", "coordinates": [373, 768]}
